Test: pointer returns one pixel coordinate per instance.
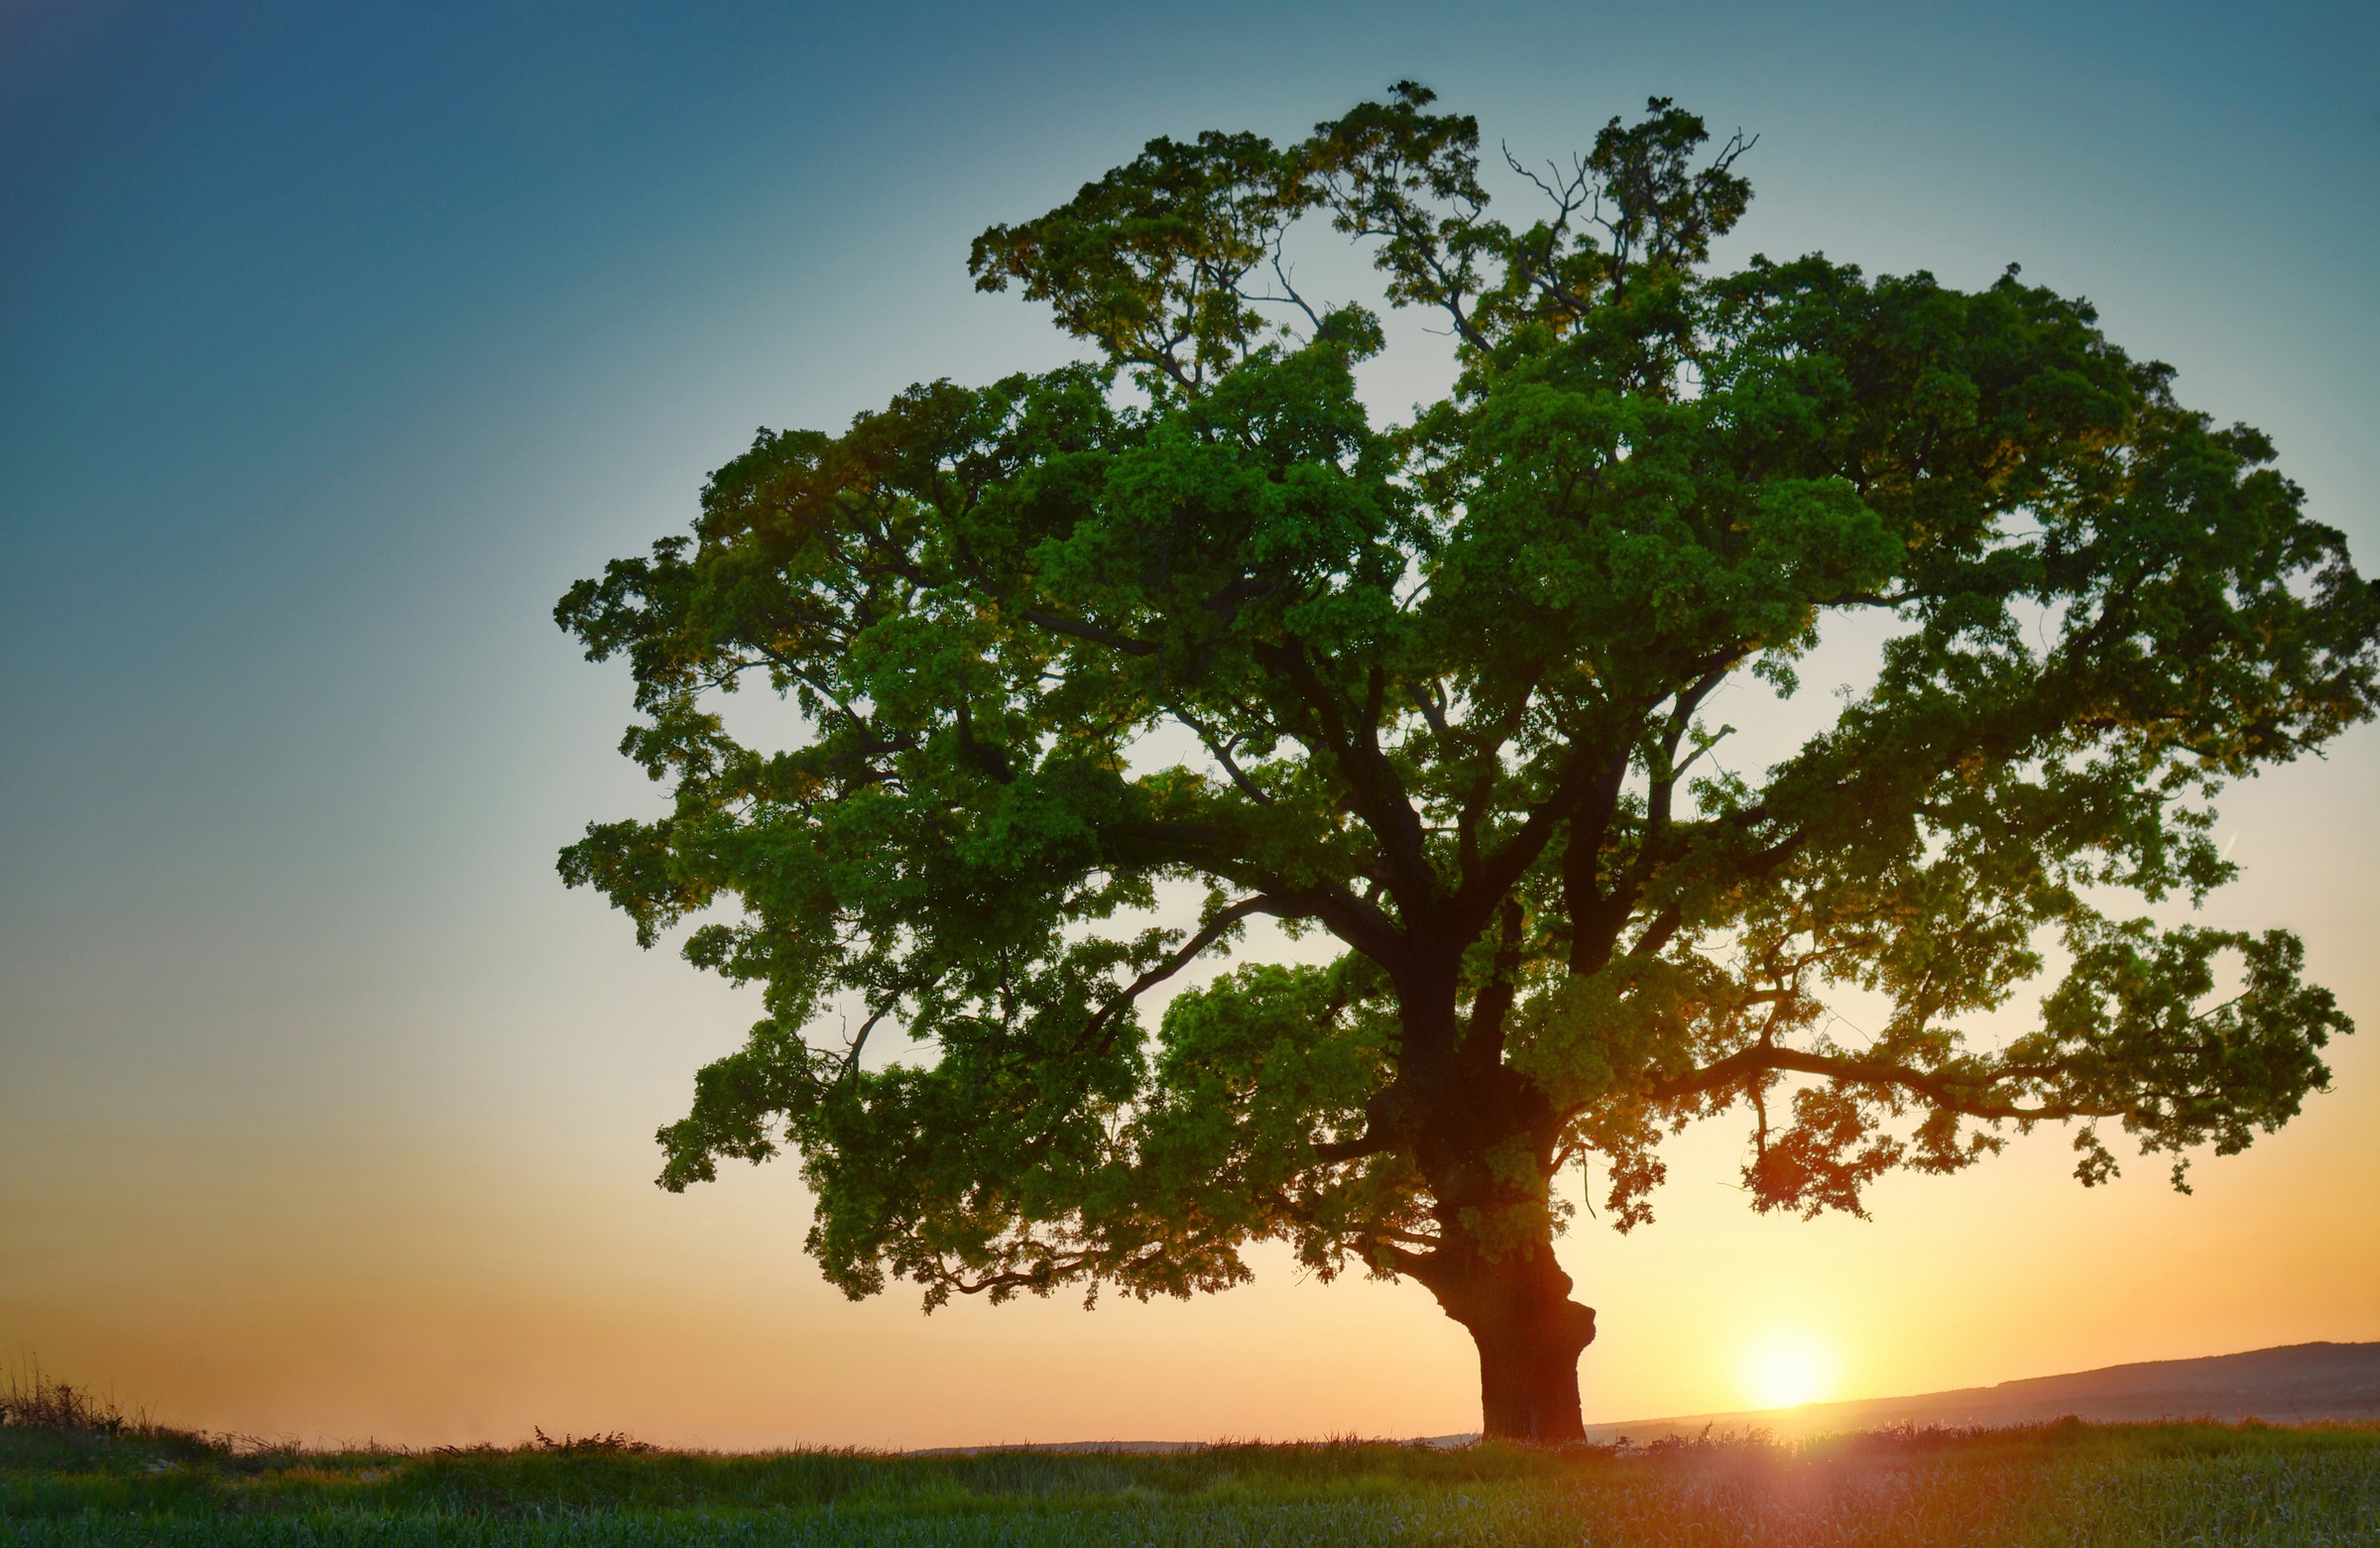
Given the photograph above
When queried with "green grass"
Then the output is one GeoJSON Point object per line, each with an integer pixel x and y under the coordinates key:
{"type": "Point", "coordinates": [2061, 1483]}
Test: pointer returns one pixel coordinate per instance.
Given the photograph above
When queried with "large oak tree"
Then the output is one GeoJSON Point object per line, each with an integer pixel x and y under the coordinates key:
{"type": "Point", "coordinates": [1446, 684]}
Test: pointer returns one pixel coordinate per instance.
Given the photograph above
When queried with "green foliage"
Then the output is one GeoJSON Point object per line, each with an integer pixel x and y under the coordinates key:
{"type": "Point", "coordinates": [1446, 682]}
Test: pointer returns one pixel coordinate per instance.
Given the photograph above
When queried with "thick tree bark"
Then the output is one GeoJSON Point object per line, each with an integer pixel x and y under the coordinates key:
{"type": "Point", "coordinates": [1529, 1334]}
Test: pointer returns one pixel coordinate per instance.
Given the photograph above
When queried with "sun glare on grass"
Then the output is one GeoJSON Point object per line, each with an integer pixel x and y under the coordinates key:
{"type": "Point", "coordinates": [1787, 1370]}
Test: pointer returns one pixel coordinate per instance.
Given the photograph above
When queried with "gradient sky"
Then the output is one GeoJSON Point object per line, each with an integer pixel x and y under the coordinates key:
{"type": "Point", "coordinates": [336, 340]}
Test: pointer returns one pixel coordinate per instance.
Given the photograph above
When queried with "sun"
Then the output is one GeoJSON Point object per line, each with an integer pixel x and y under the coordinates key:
{"type": "Point", "coordinates": [1786, 1370]}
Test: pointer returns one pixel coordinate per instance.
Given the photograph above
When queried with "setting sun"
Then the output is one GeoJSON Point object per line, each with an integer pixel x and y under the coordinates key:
{"type": "Point", "coordinates": [1787, 1370]}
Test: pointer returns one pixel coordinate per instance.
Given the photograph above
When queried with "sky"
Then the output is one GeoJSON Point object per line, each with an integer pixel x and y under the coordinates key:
{"type": "Point", "coordinates": [335, 341]}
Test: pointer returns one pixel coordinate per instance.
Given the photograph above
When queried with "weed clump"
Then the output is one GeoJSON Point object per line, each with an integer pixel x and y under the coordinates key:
{"type": "Point", "coordinates": [45, 1423]}
{"type": "Point", "coordinates": [34, 1401]}
{"type": "Point", "coordinates": [612, 1443]}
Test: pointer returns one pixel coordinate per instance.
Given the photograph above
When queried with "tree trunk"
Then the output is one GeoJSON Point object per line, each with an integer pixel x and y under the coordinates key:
{"type": "Point", "coordinates": [1529, 1376]}
{"type": "Point", "coordinates": [1529, 1334]}
{"type": "Point", "coordinates": [1493, 1268]}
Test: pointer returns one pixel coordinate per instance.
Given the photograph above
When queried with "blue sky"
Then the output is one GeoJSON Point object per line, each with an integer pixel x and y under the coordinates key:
{"type": "Point", "coordinates": [336, 340]}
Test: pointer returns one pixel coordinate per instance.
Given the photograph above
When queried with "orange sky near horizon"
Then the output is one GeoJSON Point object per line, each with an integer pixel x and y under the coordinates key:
{"type": "Point", "coordinates": [337, 1308]}
{"type": "Point", "coordinates": [333, 1285]}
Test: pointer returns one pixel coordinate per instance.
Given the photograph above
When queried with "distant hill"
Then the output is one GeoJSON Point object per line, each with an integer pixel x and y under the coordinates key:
{"type": "Point", "coordinates": [2298, 1384]}
{"type": "Point", "coordinates": [2295, 1385]}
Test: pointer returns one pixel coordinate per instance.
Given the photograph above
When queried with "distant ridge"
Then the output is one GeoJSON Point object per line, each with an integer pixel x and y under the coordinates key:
{"type": "Point", "coordinates": [2297, 1383]}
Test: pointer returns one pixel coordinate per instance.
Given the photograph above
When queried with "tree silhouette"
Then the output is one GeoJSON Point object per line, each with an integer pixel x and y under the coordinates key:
{"type": "Point", "coordinates": [1445, 683]}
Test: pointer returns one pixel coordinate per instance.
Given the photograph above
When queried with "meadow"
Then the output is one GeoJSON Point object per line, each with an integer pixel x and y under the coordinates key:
{"type": "Point", "coordinates": [74, 1473]}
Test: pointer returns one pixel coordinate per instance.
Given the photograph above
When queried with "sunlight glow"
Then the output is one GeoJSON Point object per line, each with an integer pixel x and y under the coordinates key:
{"type": "Point", "coordinates": [1786, 1370]}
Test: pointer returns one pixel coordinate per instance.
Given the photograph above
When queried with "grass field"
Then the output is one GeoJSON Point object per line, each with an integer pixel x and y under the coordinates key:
{"type": "Point", "coordinates": [103, 1481]}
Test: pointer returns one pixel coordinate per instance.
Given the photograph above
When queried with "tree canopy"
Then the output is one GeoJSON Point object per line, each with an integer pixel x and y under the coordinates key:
{"type": "Point", "coordinates": [1440, 689]}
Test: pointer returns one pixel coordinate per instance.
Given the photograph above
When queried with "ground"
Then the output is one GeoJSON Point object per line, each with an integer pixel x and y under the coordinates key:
{"type": "Point", "coordinates": [2065, 1484]}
